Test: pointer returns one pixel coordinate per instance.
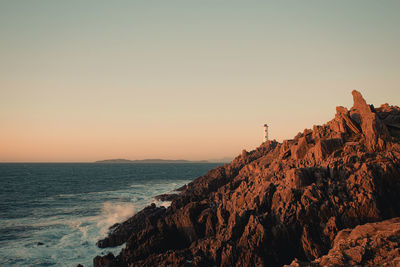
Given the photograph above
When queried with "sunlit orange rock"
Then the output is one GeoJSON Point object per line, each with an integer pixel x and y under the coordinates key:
{"type": "Point", "coordinates": [281, 202]}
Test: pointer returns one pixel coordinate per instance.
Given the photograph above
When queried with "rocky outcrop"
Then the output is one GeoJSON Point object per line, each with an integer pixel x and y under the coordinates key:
{"type": "Point", "coordinates": [279, 202]}
{"type": "Point", "coordinates": [371, 244]}
{"type": "Point", "coordinates": [374, 130]}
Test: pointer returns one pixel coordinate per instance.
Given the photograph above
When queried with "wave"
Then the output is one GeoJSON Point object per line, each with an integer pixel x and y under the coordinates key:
{"type": "Point", "coordinates": [113, 213]}
{"type": "Point", "coordinates": [160, 203]}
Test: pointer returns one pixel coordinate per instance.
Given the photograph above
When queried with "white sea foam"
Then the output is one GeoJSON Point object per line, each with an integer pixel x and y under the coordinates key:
{"type": "Point", "coordinates": [69, 233]}
{"type": "Point", "coordinates": [113, 213]}
{"type": "Point", "coordinates": [159, 203]}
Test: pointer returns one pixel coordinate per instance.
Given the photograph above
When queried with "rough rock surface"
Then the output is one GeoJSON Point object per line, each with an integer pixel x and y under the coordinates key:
{"type": "Point", "coordinates": [371, 244]}
{"type": "Point", "coordinates": [279, 202]}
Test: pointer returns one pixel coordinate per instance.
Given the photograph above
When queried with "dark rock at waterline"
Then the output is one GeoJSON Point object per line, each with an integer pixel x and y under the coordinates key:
{"type": "Point", "coordinates": [121, 232]}
{"type": "Point", "coordinates": [280, 202]}
{"type": "Point", "coordinates": [109, 260]}
{"type": "Point", "coordinates": [181, 188]}
{"type": "Point", "coordinates": [166, 197]}
{"type": "Point", "coordinates": [39, 244]}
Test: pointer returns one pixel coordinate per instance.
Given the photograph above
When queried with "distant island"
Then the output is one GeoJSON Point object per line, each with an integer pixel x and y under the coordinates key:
{"type": "Point", "coordinates": [150, 161]}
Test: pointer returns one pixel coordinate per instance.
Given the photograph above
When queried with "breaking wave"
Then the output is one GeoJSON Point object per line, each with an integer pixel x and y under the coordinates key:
{"type": "Point", "coordinates": [113, 213]}
{"type": "Point", "coordinates": [55, 217]}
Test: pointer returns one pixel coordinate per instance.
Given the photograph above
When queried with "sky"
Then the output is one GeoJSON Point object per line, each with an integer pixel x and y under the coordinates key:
{"type": "Point", "coordinates": [90, 80]}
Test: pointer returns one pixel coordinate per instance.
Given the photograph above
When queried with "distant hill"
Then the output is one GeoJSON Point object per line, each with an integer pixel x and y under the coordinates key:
{"type": "Point", "coordinates": [221, 160]}
{"type": "Point", "coordinates": [149, 161]}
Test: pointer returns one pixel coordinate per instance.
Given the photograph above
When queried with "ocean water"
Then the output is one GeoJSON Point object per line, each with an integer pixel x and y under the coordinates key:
{"type": "Point", "coordinates": [53, 214]}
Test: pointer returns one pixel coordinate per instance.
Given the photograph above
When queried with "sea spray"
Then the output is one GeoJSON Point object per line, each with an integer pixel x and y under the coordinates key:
{"type": "Point", "coordinates": [113, 213]}
{"type": "Point", "coordinates": [55, 216]}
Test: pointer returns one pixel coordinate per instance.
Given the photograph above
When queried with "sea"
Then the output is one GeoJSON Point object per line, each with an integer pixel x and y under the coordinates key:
{"type": "Point", "coordinates": [52, 214]}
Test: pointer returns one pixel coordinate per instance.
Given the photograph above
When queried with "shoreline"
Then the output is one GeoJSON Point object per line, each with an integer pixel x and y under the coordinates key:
{"type": "Point", "coordinates": [281, 203]}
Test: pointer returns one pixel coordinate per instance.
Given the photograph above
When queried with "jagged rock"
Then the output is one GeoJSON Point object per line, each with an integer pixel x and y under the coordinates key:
{"type": "Point", "coordinates": [324, 147]}
{"type": "Point", "coordinates": [372, 127]}
{"type": "Point", "coordinates": [371, 244]}
{"type": "Point", "coordinates": [106, 261]}
{"type": "Point", "coordinates": [298, 178]}
{"type": "Point", "coordinates": [299, 150]}
{"type": "Point", "coordinates": [141, 220]}
{"type": "Point", "coordinates": [278, 202]}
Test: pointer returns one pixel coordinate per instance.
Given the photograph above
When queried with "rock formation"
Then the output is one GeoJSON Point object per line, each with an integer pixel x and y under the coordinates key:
{"type": "Point", "coordinates": [283, 201]}
{"type": "Point", "coordinates": [371, 244]}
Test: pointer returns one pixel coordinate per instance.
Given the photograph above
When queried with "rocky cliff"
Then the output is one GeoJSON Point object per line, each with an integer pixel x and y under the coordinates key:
{"type": "Point", "coordinates": [283, 203]}
{"type": "Point", "coordinates": [371, 244]}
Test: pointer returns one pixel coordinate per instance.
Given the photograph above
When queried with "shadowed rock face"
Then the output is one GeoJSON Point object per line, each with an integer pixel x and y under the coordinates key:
{"type": "Point", "coordinates": [371, 244]}
{"type": "Point", "coordinates": [279, 202]}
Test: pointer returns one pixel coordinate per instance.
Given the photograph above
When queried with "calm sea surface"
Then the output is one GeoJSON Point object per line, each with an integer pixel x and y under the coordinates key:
{"type": "Point", "coordinates": [53, 214]}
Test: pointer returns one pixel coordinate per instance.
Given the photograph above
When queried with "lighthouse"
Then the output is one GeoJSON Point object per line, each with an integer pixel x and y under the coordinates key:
{"type": "Point", "coordinates": [265, 139]}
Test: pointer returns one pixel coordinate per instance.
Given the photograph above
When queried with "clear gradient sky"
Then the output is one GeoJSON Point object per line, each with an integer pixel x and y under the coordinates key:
{"type": "Point", "coordinates": [91, 80]}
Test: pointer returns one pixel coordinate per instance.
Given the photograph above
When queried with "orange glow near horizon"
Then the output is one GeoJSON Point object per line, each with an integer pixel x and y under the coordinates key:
{"type": "Point", "coordinates": [184, 80]}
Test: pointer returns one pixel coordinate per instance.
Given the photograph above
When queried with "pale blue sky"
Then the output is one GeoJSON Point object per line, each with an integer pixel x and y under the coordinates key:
{"type": "Point", "coordinates": [87, 80]}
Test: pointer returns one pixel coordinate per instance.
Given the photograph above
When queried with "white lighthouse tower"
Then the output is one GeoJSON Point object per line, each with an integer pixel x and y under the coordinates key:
{"type": "Point", "coordinates": [265, 139]}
